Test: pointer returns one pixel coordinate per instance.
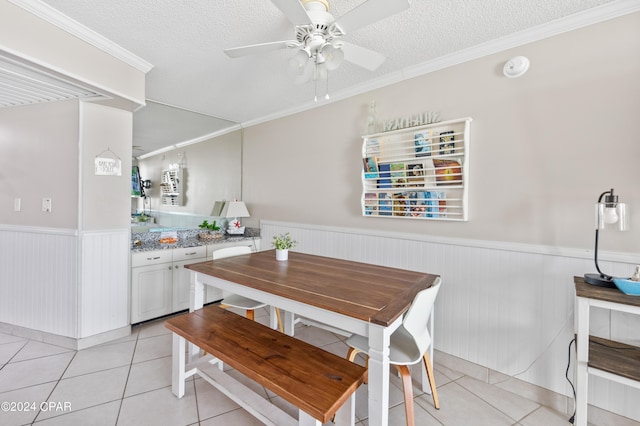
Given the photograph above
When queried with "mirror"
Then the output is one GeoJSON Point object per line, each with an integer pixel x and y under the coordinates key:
{"type": "Point", "coordinates": [207, 149]}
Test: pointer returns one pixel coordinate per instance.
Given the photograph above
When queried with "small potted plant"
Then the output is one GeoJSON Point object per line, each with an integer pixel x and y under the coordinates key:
{"type": "Point", "coordinates": [211, 231]}
{"type": "Point", "coordinates": [283, 243]}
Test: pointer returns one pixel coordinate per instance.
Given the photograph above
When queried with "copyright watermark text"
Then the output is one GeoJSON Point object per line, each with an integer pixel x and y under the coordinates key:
{"type": "Point", "coordinates": [22, 406]}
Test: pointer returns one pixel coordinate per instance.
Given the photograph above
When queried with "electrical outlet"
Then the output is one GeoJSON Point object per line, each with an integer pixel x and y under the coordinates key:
{"type": "Point", "coordinates": [17, 204]}
{"type": "Point", "coordinates": [46, 205]}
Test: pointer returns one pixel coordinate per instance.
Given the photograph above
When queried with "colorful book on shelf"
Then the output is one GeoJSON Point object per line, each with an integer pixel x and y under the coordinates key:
{"type": "Point", "coordinates": [398, 175]}
{"type": "Point", "coordinates": [385, 176]}
{"type": "Point", "coordinates": [372, 147]}
{"type": "Point", "coordinates": [416, 174]}
{"type": "Point", "coordinates": [416, 204]}
{"type": "Point", "coordinates": [384, 204]}
{"type": "Point", "coordinates": [447, 145]}
{"type": "Point", "coordinates": [399, 204]}
{"type": "Point", "coordinates": [437, 204]}
{"type": "Point", "coordinates": [371, 204]}
{"type": "Point", "coordinates": [422, 142]}
{"type": "Point", "coordinates": [448, 172]}
{"type": "Point", "coordinates": [370, 167]}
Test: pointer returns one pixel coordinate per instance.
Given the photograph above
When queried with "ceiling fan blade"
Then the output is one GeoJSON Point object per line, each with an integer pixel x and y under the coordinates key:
{"type": "Point", "coordinates": [369, 12]}
{"type": "Point", "coordinates": [252, 49]}
{"type": "Point", "coordinates": [294, 11]}
{"type": "Point", "coordinates": [362, 56]}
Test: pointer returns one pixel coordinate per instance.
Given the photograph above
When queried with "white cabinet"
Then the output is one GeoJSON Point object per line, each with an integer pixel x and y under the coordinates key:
{"type": "Point", "coordinates": [161, 285]}
{"type": "Point", "coordinates": [151, 285]}
{"type": "Point", "coordinates": [417, 173]}
{"type": "Point", "coordinates": [182, 276]}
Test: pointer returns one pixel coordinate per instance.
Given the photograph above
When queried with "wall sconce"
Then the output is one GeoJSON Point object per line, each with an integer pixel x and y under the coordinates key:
{"type": "Point", "coordinates": [235, 209]}
{"type": "Point", "coordinates": [608, 213]}
{"type": "Point", "coordinates": [516, 67]}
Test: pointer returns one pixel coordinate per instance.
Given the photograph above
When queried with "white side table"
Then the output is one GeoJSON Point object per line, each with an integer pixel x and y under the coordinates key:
{"type": "Point", "coordinates": [601, 357]}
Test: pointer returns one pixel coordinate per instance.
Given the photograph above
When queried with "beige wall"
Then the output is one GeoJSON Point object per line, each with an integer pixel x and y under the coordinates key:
{"type": "Point", "coordinates": [543, 147]}
{"type": "Point", "coordinates": [105, 199]}
{"type": "Point", "coordinates": [39, 158]}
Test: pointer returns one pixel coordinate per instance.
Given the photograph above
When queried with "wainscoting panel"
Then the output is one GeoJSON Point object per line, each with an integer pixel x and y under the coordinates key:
{"type": "Point", "coordinates": [104, 284]}
{"type": "Point", "coordinates": [508, 307]}
{"type": "Point", "coordinates": [38, 279]}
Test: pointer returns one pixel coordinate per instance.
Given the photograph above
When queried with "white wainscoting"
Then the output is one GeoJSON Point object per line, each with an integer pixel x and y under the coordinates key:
{"type": "Point", "coordinates": [104, 284]}
{"type": "Point", "coordinates": [64, 287]}
{"type": "Point", "coordinates": [508, 307]}
{"type": "Point", "coordinates": [38, 279]}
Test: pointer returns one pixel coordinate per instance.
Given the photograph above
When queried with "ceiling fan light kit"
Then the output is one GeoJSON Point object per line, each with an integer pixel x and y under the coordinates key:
{"type": "Point", "coordinates": [318, 37]}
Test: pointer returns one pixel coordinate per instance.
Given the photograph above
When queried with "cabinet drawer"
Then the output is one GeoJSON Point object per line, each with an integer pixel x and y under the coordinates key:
{"type": "Point", "coordinates": [150, 258]}
{"type": "Point", "coordinates": [188, 253]}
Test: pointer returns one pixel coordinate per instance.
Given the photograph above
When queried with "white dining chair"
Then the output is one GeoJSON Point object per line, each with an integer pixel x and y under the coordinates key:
{"type": "Point", "coordinates": [408, 345]}
{"type": "Point", "coordinates": [237, 301]}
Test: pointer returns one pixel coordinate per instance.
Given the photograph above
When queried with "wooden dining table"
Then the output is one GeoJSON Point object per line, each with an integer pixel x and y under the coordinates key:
{"type": "Point", "coordinates": [359, 298]}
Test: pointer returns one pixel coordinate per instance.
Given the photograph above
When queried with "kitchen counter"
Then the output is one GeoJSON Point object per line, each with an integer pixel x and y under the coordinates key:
{"type": "Point", "coordinates": [186, 238]}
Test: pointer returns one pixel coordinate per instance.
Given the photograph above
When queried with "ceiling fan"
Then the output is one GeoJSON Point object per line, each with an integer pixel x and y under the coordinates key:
{"type": "Point", "coordinates": [318, 37]}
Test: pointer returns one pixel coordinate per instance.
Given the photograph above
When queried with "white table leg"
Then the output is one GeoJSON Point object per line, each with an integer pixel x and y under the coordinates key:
{"type": "Point", "coordinates": [378, 376]}
{"type": "Point", "coordinates": [582, 358]}
{"type": "Point", "coordinates": [196, 301]}
{"type": "Point", "coordinates": [345, 416]}
{"type": "Point", "coordinates": [178, 374]}
{"type": "Point", "coordinates": [289, 322]}
{"type": "Point", "coordinates": [273, 317]}
{"type": "Point", "coordinates": [306, 420]}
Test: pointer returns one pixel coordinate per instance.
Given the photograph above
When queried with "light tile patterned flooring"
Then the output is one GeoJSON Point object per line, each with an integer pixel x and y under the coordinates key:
{"type": "Point", "coordinates": [128, 382]}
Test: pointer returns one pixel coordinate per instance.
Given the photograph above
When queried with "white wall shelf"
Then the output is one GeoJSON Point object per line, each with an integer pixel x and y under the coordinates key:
{"type": "Point", "coordinates": [171, 187]}
{"type": "Point", "coordinates": [418, 173]}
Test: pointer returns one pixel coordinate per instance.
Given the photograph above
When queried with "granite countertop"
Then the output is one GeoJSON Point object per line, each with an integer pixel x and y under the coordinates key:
{"type": "Point", "coordinates": [186, 238]}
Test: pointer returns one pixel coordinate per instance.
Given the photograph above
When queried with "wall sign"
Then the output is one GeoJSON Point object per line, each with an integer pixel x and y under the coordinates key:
{"type": "Point", "coordinates": [107, 166]}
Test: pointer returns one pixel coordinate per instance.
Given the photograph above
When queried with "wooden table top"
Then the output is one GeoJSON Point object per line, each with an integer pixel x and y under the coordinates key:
{"type": "Point", "coordinates": [372, 293]}
{"type": "Point", "coordinates": [584, 289]}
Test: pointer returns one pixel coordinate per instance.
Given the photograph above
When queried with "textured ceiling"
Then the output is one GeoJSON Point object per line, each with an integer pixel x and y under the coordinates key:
{"type": "Point", "coordinates": [184, 40]}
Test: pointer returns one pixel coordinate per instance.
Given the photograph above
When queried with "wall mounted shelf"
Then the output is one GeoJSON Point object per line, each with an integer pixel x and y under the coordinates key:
{"type": "Point", "coordinates": [418, 173]}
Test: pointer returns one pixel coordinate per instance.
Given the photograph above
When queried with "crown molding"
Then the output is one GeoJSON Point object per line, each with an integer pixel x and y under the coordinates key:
{"type": "Point", "coordinates": [62, 21]}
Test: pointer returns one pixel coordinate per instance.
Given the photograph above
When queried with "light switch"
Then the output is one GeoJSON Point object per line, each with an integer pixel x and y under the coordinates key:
{"type": "Point", "coordinates": [46, 205]}
{"type": "Point", "coordinates": [17, 203]}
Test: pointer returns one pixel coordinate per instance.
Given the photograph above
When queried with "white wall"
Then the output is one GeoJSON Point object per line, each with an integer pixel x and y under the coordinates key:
{"type": "Point", "coordinates": [543, 147]}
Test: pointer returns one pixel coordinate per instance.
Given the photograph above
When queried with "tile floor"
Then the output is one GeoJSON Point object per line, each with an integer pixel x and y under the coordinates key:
{"type": "Point", "coordinates": [128, 382]}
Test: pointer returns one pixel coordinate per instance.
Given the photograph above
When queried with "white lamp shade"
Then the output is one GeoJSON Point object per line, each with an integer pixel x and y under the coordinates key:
{"type": "Point", "coordinates": [235, 209]}
{"type": "Point", "coordinates": [333, 57]}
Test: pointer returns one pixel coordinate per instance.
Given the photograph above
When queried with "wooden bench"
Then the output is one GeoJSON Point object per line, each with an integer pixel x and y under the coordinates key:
{"type": "Point", "coordinates": [319, 383]}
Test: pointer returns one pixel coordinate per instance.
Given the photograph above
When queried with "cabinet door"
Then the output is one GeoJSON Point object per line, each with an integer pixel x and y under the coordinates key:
{"type": "Point", "coordinates": [181, 285]}
{"type": "Point", "coordinates": [151, 288]}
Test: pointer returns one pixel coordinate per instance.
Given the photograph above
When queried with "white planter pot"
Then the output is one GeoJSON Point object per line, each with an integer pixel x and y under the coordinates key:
{"type": "Point", "coordinates": [282, 254]}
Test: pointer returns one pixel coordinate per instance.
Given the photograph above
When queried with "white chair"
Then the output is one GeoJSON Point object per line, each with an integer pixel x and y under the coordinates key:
{"type": "Point", "coordinates": [234, 300]}
{"type": "Point", "coordinates": [409, 344]}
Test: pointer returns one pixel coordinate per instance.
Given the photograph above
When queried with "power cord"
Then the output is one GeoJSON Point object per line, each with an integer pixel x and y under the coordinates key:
{"type": "Point", "coordinates": [566, 374]}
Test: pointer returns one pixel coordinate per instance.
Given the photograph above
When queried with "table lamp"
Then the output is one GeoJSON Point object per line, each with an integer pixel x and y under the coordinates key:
{"type": "Point", "coordinates": [235, 209]}
{"type": "Point", "coordinates": [609, 212]}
